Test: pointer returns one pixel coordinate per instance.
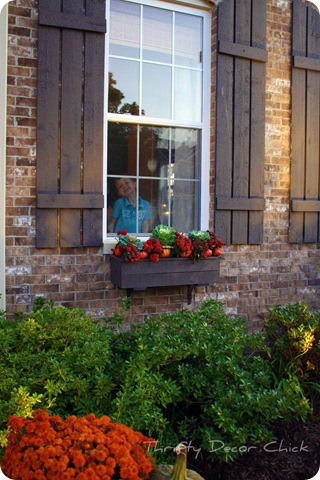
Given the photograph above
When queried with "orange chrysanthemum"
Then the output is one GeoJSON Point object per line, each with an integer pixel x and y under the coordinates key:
{"type": "Point", "coordinates": [87, 448]}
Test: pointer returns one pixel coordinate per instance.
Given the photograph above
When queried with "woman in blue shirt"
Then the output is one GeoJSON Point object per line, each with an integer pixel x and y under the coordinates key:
{"type": "Point", "coordinates": [125, 210]}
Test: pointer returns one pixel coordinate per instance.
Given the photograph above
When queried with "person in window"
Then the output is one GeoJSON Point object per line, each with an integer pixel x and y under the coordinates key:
{"type": "Point", "coordinates": [125, 209]}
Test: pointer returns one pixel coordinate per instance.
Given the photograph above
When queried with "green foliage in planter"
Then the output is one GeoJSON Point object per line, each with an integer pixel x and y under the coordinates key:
{"type": "Point", "coordinates": [293, 333]}
{"type": "Point", "coordinates": [188, 376]}
{"type": "Point", "coordinates": [164, 234]}
{"type": "Point", "coordinates": [201, 235]}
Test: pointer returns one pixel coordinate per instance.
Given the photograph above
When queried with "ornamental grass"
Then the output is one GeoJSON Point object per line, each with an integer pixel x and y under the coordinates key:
{"type": "Point", "coordinates": [86, 448]}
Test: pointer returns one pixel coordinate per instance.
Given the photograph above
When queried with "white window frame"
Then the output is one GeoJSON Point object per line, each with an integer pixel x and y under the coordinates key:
{"type": "Point", "coordinates": [203, 10]}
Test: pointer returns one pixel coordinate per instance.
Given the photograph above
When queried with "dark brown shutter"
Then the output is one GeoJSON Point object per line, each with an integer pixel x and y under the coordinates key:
{"type": "Point", "coordinates": [305, 151]}
{"type": "Point", "coordinates": [241, 66]}
{"type": "Point", "coordinates": [70, 123]}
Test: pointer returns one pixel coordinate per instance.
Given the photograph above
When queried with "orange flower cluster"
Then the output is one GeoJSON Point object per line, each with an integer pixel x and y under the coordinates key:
{"type": "Point", "coordinates": [87, 448]}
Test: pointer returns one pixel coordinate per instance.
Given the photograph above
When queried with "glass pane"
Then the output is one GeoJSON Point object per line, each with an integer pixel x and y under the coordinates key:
{"type": "Point", "coordinates": [188, 94]}
{"type": "Point", "coordinates": [188, 40]}
{"type": "Point", "coordinates": [156, 91]}
{"type": "Point", "coordinates": [123, 86]}
{"type": "Point", "coordinates": [156, 193]}
{"type": "Point", "coordinates": [122, 149]}
{"type": "Point", "coordinates": [124, 29]}
{"type": "Point", "coordinates": [129, 212]}
{"type": "Point", "coordinates": [154, 151]}
{"type": "Point", "coordinates": [184, 205]}
{"type": "Point", "coordinates": [186, 153]}
{"type": "Point", "coordinates": [157, 35]}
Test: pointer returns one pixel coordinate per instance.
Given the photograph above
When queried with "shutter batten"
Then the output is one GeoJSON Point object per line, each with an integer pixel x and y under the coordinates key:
{"type": "Point", "coordinates": [72, 22]}
{"type": "Point", "coordinates": [70, 123]}
{"type": "Point", "coordinates": [243, 51]}
{"type": "Point", "coordinates": [71, 200]}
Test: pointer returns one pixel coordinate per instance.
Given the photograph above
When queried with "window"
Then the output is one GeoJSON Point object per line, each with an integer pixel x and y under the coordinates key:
{"type": "Point", "coordinates": [157, 117]}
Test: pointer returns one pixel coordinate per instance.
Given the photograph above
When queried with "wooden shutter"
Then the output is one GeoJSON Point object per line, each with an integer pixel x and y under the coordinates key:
{"type": "Point", "coordinates": [240, 154]}
{"type": "Point", "coordinates": [70, 122]}
{"type": "Point", "coordinates": [305, 151]}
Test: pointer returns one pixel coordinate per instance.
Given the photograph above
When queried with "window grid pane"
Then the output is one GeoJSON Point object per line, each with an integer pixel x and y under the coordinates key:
{"type": "Point", "coordinates": [163, 168]}
{"type": "Point", "coordinates": [167, 46]}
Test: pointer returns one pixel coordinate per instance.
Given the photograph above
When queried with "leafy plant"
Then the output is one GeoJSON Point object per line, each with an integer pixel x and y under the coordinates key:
{"type": "Point", "coordinates": [293, 333]}
{"type": "Point", "coordinates": [57, 358]}
{"type": "Point", "coordinates": [195, 376]}
{"type": "Point", "coordinates": [126, 239]}
{"type": "Point", "coordinates": [201, 377]}
{"type": "Point", "coordinates": [164, 234]}
{"type": "Point", "coordinates": [201, 235]}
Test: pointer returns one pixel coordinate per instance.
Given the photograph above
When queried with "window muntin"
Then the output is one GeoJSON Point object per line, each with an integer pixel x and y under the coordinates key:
{"type": "Point", "coordinates": [156, 72]}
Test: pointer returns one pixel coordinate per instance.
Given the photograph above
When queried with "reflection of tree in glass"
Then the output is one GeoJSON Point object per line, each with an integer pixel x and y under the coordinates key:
{"type": "Point", "coordinates": [115, 96]}
{"type": "Point", "coordinates": [118, 147]}
{"type": "Point", "coordinates": [131, 108]}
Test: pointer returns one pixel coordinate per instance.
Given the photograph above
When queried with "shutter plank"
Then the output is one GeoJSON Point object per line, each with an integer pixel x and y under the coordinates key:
{"type": "Point", "coordinates": [241, 120]}
{"type": "Point", "coordinates": [224, 143]}
{"type": "Point", "coordinates": [257, 148]}
{"type": "Point", "coordinates": [298, 120]}
{"type": "Point", "coordinates": [259, 17]}
{"type": "Point", "coordinates": [297, 151]}
{"type": "Point", "coordinates": [93, 137]}
{"type": "Point", "coordinates": [71, 142]}
{"type": "Point", "coordinates": [257, 140]}
{"type": "Point", "coordinates": [48, 133]}
{"type": "Point", "coordinates": [71, 120]}
{"type": "Point", "coordinates": [241, 146]}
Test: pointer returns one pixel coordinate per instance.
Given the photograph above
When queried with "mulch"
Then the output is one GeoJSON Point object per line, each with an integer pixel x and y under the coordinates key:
{"type": "Point", "coordinates": [295, 455]}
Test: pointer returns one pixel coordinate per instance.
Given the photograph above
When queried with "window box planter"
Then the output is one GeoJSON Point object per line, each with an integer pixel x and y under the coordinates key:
{"type": "Point", "coordinates": [167, 272]}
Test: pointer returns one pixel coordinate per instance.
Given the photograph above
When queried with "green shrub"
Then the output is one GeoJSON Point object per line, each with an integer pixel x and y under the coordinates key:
{"type": "Point", "coordinates": [198, 377]}
{"type": "Point", "coordinates": [201, 377]}
{"type": "Point", "coordinates": [293, 334]}
{"type": "Point", "coordinates": [57, 358]}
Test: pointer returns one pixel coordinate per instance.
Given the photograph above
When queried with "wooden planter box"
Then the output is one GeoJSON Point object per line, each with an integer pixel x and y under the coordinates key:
{"type": "Point", "coordinates": [167, 272]}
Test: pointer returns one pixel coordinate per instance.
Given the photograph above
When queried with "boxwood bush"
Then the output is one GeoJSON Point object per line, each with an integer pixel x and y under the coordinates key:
{"type": "Point", "coordinates": [193, 376]}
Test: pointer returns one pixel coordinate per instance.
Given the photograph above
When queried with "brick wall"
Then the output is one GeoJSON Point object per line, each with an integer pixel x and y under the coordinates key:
{"type": "Point", "coordinates": [252, 277]}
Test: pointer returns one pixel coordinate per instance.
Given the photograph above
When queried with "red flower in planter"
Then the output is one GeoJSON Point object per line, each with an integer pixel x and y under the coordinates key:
{"type": "Point", "coordinates": [128, 247]}
{"type": "Point", "coordinates": [155, 257]}
{"type": "Point", "coordinates": [153, 248]}
{"type": "Point", "coordinates": [214, 243]}
{"type": "Point", "coordinates": [183, 246]}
